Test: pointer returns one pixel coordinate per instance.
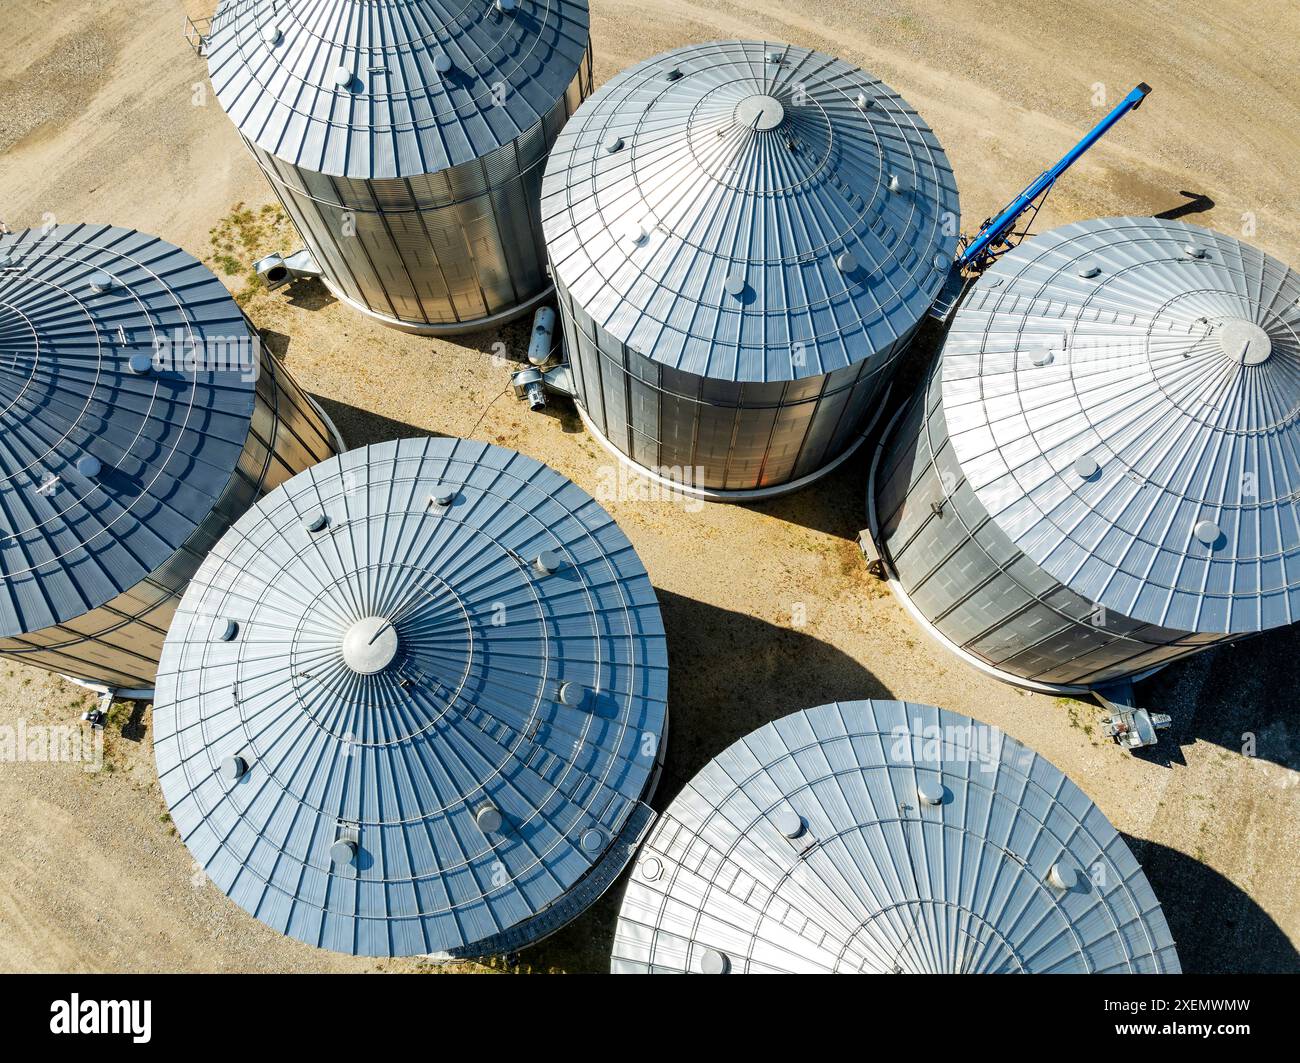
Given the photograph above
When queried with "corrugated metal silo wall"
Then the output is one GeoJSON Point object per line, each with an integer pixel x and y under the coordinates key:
{"type": "Point", "coordinates": [449, 247]}
{"type": "Point", "coordinates": [120, 642]}
{"type": "Point", "coordinates": [740, 436]}
{"type": "Point", "coordinates": [973, 584]}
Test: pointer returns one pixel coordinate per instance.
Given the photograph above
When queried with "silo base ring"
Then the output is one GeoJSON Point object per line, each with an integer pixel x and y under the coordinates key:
{"type": "Point", "coordinates": [758, 494]}
{"type": "Point", "coordinates": [449, 328]}
{"type": "Point", "coordinates": [119, 693]}
{"type": "Point", "coordinates": [905, 600]}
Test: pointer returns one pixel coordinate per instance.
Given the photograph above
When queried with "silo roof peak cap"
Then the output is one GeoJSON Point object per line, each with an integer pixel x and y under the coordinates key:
{"type": "Point", "coordinates": [397, 644]}
{"type": "Point", "coordinates": [370, 645]}
{"type": "Point", "coordinates": [1172, 366]}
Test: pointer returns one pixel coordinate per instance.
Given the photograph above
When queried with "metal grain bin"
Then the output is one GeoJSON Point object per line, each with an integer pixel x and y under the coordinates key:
{"type": "Point", "coordinates": [406, 139]}
{"type": "Point", "coordinates": [414, 702]}
{"type": "Point", "coordinates": [885, 837]}
{"type": "Point", "coordinates": [141, 417]}
{"type": "Point", "coordinates": [744, 236]}
{"type": "Point", "coordinates": [1101, 474]}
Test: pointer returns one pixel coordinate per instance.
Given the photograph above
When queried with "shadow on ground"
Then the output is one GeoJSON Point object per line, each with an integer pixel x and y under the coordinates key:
{"type": "Point", "coordinates": [309, 294]}
{"type": "Point", "coordinates": [728, 674]}
{"type": "Point", "coordinates": [1218, 929]}
{"type": "Point", "coordinates": [1197, 203]}
{"type": "Point", "coordinates": [1238, 697]}
{"type": "Point", "coordinates": [361, 428]}
{"type": "Point", "coordinates": [134, 729]}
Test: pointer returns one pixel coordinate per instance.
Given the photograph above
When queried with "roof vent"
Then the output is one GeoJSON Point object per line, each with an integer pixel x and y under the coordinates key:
{"type": "Point", "coordinates": [229, 631]}
{"type": "Point", "coordinates": [1207, 532]}
{"type": "Point", "coordinates": [442, 63]}
{"type": "Point", "coordinates": [572, 694]}
{"type": "Point", "coordinates": [272, 35]}
{"type": "Point", "coordinates": [343, 77]}
{"type": "Point", "coordinates": [592, 840]}
{"type": "Point", "coordinates": [548, 562]}
{"type": "Point", "coordinates": [897, 183]}
{"type": "Point", "coordinates": [1085, 466]}
{"type": "Point", "coordinates": [714, 962]}
{"type": "Point", "coordinates": [316, 523]}
{"type": "Point", "coordinates": [89, 466]}
{"type": "Point", "coordinates": [1193, 251]}
{"type": "Point", "coordinates": [140, 363]}
{"type": "Point", "coordinates": [443, 496]}
{"type": "Point", "coordinates": [930, 791]}
{"type": "Point", "coordinates": [343, 851]}
{"type": "Point", "coordinates": [735, 283]}
{"type": "Point", "coordinates": [634, 233]}
{"type": "Point", "coordinates": [847, 262]}
{"type": "Point", "coordinates": [100, 283]}
{"type": "Point", "coordinates": [1063, 875]}
{"type": "Point", "coordinates": [614, 144]}
{"type": "Point", "coordinates": [233, 768]}
{"type": "Point", "coordinates": [788, 821]}
{"type": "Point", "coordinates": [488, 819]}
{"type": "Point", "coordinates": [1089, 270]}
{"type": "Point", "coordinates": [863, 101]}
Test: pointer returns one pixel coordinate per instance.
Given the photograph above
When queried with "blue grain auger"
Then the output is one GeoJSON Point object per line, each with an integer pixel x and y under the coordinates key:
{"type": "Point", "coordinates": [998, 235]}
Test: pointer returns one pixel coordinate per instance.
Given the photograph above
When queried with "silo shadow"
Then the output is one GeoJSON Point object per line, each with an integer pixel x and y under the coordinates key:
{"type": "Point", "coordinates": [361, 428]}
{"type": "Point", "coordinates": [728, 674]}
{"type": "Point", "coordinates": [1217, 928]}
{"type": "Point", "coordinates": [1238, 696]}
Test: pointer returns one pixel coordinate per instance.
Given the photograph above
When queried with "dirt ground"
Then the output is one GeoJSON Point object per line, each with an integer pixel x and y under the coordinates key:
{"type": "Point", "coordinates": [104, 117]}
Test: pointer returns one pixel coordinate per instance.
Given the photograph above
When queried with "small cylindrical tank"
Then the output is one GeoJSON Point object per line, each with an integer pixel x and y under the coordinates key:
{"type": "Point", "coordinates": [415, 702]}
{"type": "Point", "coordinates": [406, 140]}
{"type": "Point", "coordinates": [1100, 474]}
{"type": "Point", "coordinates": [744, 236]}
{"type": "Point", "coordinates": [141, 416]}
{"type": "Point", "coordinates": [884, 837]}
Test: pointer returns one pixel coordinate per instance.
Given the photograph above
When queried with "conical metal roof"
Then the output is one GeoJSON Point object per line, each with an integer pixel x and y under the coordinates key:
{"type": "Point", "coordinates": [392, 88]}
{"type": "Point", "coordinates": [750, 211]}
{"type": "Point", "coordinates": [412, 700]}
{"type": "Point", "coordinates": [115, 443]}
{"type": "Point", "coordinates": [1122, 395]}
{"type": "Point", "coordinates": [879, 837]}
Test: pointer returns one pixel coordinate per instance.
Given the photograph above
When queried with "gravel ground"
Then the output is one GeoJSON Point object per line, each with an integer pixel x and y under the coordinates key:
{"type": "Point", "coordinates": [101, 119]}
